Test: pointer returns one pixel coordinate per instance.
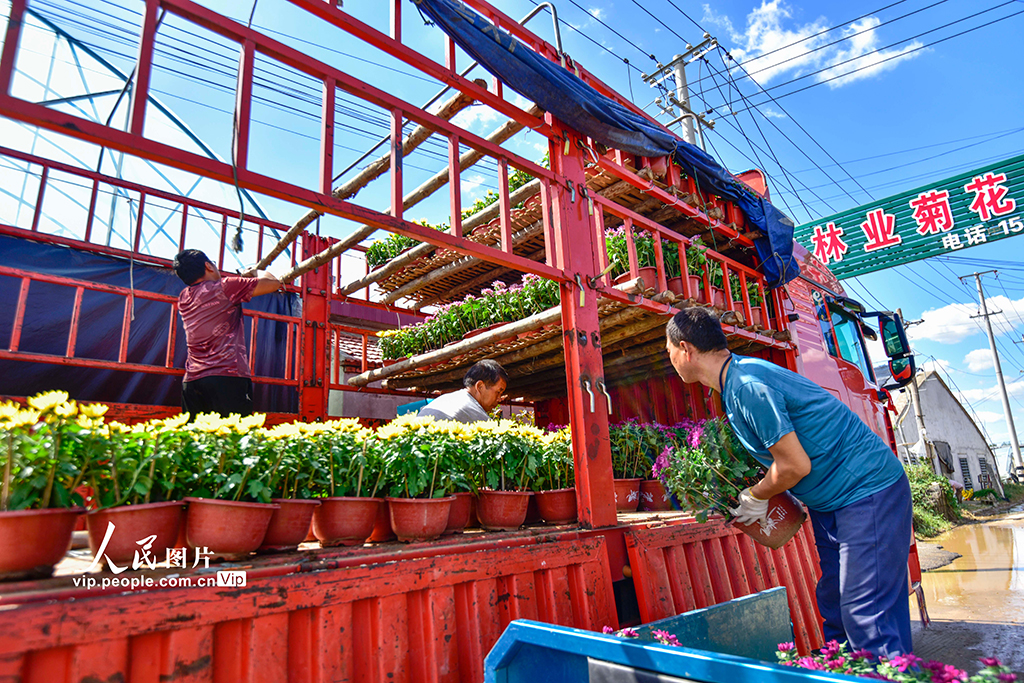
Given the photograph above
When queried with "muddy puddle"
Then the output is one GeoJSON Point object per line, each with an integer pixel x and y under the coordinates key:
{"type": "Point", "coordinates": [987, 582]}
{"type": "Point", "coordinates": [976, 603]}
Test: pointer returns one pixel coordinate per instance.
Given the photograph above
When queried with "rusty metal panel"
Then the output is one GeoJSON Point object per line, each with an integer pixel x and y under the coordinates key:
{"type": "Point", "coordinates": [420, 618]}
{"type": "Point", "coordinates": [681, 567]}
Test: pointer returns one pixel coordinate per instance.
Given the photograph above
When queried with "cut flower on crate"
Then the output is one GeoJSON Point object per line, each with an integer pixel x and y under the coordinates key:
{"type": "Point", "coordinates": [837, 658]}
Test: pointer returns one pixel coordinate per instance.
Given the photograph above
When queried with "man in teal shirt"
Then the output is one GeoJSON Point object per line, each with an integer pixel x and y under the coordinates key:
{"type": "Point", "coordinates": [813, 445]}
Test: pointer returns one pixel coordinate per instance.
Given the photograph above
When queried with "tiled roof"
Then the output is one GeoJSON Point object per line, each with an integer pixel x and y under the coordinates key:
{"type": "Point", "coordinates": [351, 346]}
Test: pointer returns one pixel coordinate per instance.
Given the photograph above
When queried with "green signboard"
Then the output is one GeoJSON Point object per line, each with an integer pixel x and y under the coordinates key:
{"type": "Point", "coordinates": [945, 217]}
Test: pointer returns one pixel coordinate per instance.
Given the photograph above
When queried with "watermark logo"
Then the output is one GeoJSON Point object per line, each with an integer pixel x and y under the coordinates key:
{"type": "Point", "coordinates": [145, 559]}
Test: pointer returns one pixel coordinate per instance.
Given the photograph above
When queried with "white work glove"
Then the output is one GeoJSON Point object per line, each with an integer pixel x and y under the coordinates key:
{"type": "Point", "coordinates": [750, 509]}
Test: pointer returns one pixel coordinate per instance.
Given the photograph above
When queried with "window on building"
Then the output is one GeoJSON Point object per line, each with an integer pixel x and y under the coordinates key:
{"type": "Point", "coordinates": [984, 478]}
{"type": "Point", "coordinates": [965, 470]}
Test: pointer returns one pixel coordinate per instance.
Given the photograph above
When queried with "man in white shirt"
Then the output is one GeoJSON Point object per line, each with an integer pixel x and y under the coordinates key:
{"type": "Point", "coordinates": [483, 387]}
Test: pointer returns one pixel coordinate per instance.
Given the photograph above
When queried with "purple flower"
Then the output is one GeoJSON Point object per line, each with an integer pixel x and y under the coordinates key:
{"type": "Point", "coordinates": [661, 464]}
{"type": "Point", "coordinates": [862, 654]}
{"type": "Point", "coordinates": [810, 663]}
{"type": "Point", "coordinates": [990, 661]}
{"type": "Point", "coordinates": [629, 633]}
{"type": "Point", "coordinates": [786, 647]}
{"type": "Point", "coordinates": [608, 629]}
{"type": "Point", "coordinates": [1007, 678]}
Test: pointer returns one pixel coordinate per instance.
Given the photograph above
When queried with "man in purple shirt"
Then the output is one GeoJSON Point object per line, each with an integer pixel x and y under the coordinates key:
{"type": "Point", "coordinates": [217, 377]}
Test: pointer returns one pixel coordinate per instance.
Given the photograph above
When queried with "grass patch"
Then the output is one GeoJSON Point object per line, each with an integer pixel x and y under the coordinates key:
{"type": "Point", "coordinates": [931, 519]}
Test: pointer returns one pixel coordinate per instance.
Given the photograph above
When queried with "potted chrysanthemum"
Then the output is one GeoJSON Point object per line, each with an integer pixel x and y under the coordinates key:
{"type": "Point", "coordinates": [509, 455]}
{"type": "Point", "coordinates": [47, 449]}
{"type": "Point", "coordinates": [554, 484]}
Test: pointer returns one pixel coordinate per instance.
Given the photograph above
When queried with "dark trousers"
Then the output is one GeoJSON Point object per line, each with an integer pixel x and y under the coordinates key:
{"type": "Point", "coordinates": [863, 590]}
{"type": "Point", "coordinates": [223, 395]}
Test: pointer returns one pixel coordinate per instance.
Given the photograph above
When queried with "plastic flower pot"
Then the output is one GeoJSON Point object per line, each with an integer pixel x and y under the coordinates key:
{"type": "Point", "coordinates": [133, 523]}
{"type": "Point", "coordinates": [654, 497]}
{"type": "Point", "coordinates": [32, 542]}
{"type": "Point", "coordinates": [229, 529]}
{"type": "Point", "coordinates": [627, 494]}
{"type": "Point", "coordinates": [785, 517]}
{"type": "Point", "coordinates": [289, 526]}
{"type": "Point", "coordinates": [382, 530]}
{"type": "Point", "coordinates": [557, 506]}
{"type": "Point", "coordinates": [502, 510]}
{"type": "Point", "coordinates": [419, 519]}
{"type": "Point", "coordinates": [459, 512]}
{"type": "Point", "coordinates": [344, 520]}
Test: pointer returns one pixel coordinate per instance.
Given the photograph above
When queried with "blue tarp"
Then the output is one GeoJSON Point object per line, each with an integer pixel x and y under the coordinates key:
{"type": "Point", "coordinates": [590, 113]}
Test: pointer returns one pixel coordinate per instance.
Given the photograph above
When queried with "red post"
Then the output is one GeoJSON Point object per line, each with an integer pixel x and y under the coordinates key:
{"type": "Point", "coordinates": [455, 185]}
{"type": "Point", "coordinates": [243, 103]}
{"type": "Point", "coordinates": [14, 23]}
{"type": "Point", "coordinates": [588, 408]}
{"type": "Point", "coordinates": [503, 199]}
{"type": "Point", "coordinates": [396, 20]}
{"type": "Point", "coordinates": [396, 163]}
{"type": "Point", "coordinates": [316, 312]}
{"type": "Point", "coordinates": [326, 139]}
{"type": "Point", "coordinates": [143, 68]}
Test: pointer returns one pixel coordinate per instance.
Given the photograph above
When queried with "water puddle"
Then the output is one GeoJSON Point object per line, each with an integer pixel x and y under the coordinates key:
{"type": "Point", "coordinates": [987, 583]}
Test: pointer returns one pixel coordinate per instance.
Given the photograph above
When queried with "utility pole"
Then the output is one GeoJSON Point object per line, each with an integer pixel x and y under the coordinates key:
{"type": "Point", "coordinates": [999, 370]}
{"type": "Point", "coordinates": [681, 99]}
{"type": "Point", "coordinates": [922, 433]}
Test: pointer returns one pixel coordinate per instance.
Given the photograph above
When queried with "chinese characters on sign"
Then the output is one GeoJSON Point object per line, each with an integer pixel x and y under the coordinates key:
{"type": "Point", "coordinates": [176, 557]}
{"type": "Point", "coordinates": [970, 209]}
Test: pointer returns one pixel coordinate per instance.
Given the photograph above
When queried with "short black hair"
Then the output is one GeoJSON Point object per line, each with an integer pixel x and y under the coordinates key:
{"type": "Point", "coordinates": [190, 265]}
{"type": "Point", "coordinates": [490, 371]}
{"type": "Point", "coordinates": [698, 326]}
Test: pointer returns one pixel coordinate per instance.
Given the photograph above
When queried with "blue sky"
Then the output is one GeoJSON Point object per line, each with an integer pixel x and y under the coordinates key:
{"type": "Point", "coordinates": [865, 100]}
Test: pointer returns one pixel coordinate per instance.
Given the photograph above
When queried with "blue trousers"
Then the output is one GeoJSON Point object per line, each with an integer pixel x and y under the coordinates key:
{"type": "Point", "coordinates": [863, 549]}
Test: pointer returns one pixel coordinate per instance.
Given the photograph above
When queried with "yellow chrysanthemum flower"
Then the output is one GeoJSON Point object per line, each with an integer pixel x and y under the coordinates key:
{"type": "Point", "coordinates": [24, 418]}
{"type": "Point", "coordinates": [66, 410]}
{"type": "Point", "coordinates": [93, 409]}
{"type": "Point", "coordinates": [48, 400]}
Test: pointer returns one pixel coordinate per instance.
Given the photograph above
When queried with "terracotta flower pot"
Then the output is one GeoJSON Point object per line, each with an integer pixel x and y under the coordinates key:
{"type": "Point", "coordinates": [382, 530]}
{"type": "Point", "coordinates": [654, 497]}
{"type": "Point", "coordinates": [33, 541]}
{"type": "Point", "coordinates": [133, 523]}
{"type": "Point", "coordinates": [502, 510]}
{"type": "Point", "coordinates": [532, 512]}
{"type": "Point", "coordinates": [785, 517]}
{"type": "Point", "coordinates": [289, 525]}
{"type": "Point", "coordinates": [344, 521]}
{"type": "Point", "coordinates": [229, 529]}
{"type": "Point", "coordinates": [557, 506]}
{"type": "Point", "coordinates": [697, 290]}
{"type": "Point", "coordinates": [755, 317]}
{"type": "Point", "coordinates": [459, 512]}
{"type": "Point", "coordinates": [627, 494]}
{"type": "Point", "coordinates": [419, 519]}
{"type": "Point", "coordinates": [717, 297]}
{"type": "Point", "coordinates": [648, 274]}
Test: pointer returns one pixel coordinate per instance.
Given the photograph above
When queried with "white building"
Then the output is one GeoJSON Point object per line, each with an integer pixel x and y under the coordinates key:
{"type": "Point", "coordinates": [960, 451]}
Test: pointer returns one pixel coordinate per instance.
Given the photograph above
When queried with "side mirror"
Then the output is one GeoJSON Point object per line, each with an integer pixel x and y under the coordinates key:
{"type": "Point", "coordinates": [902, 371]}
{"type": "Point", "coordinates": [894, 337]}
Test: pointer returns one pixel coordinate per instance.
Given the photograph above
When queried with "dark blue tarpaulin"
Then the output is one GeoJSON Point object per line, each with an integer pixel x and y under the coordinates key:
{"type": "Point", "coordinates": [579, 106]}
{"type": "Point", "coordinates": [48, 321]}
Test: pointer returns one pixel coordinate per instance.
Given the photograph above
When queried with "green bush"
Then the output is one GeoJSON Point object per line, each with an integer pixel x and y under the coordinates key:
{"type": "Point", "coordinates": [1013, 492]}
{"type": "Point", "coordinates": [928, 520]}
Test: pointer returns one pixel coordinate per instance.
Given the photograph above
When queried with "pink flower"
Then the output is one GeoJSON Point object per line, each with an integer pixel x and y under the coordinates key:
{"type": "Point", "coordinates": [786, 647]}
{"type": "Point", "coordinates": [608, 630]}
{"type": "Point", "coordinates": [666, 638]}
{"type": "Point", "coordinates": [990, 661]}
{"type": "Point", "coordinates": [629, 633]}
{"type": "Point", "coordinates": [1007, 678]}
{"type": "Point", "coordinates": [661, 463]}
{"type": "Point", "coordinates": [810, 663]}
{"type": "Point", "coordinates": [862, 654]}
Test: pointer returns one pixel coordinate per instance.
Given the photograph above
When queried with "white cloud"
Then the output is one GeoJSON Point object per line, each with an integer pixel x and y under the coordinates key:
{"type": "Point", "coordinates": [475, 115]}
{"type": "Point", "coordinates": [772, 114]}
{"type": "Point", "coordinates": [953, 323]}
{"type": "Point", "coordinates": [987, 416]}
{"type": "Point", "coordinates": [597, 13]}
{"type": "Point", "coordinates": [792, 50]}
{"type": "Point", "coordinates": [1014, 388]}
{"type": "Point", "coordinates": [979, 359]}
{"type": "Point", "coordinates": [938, 365]}
{"type": "Point", "coordinates": [471, 184]}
